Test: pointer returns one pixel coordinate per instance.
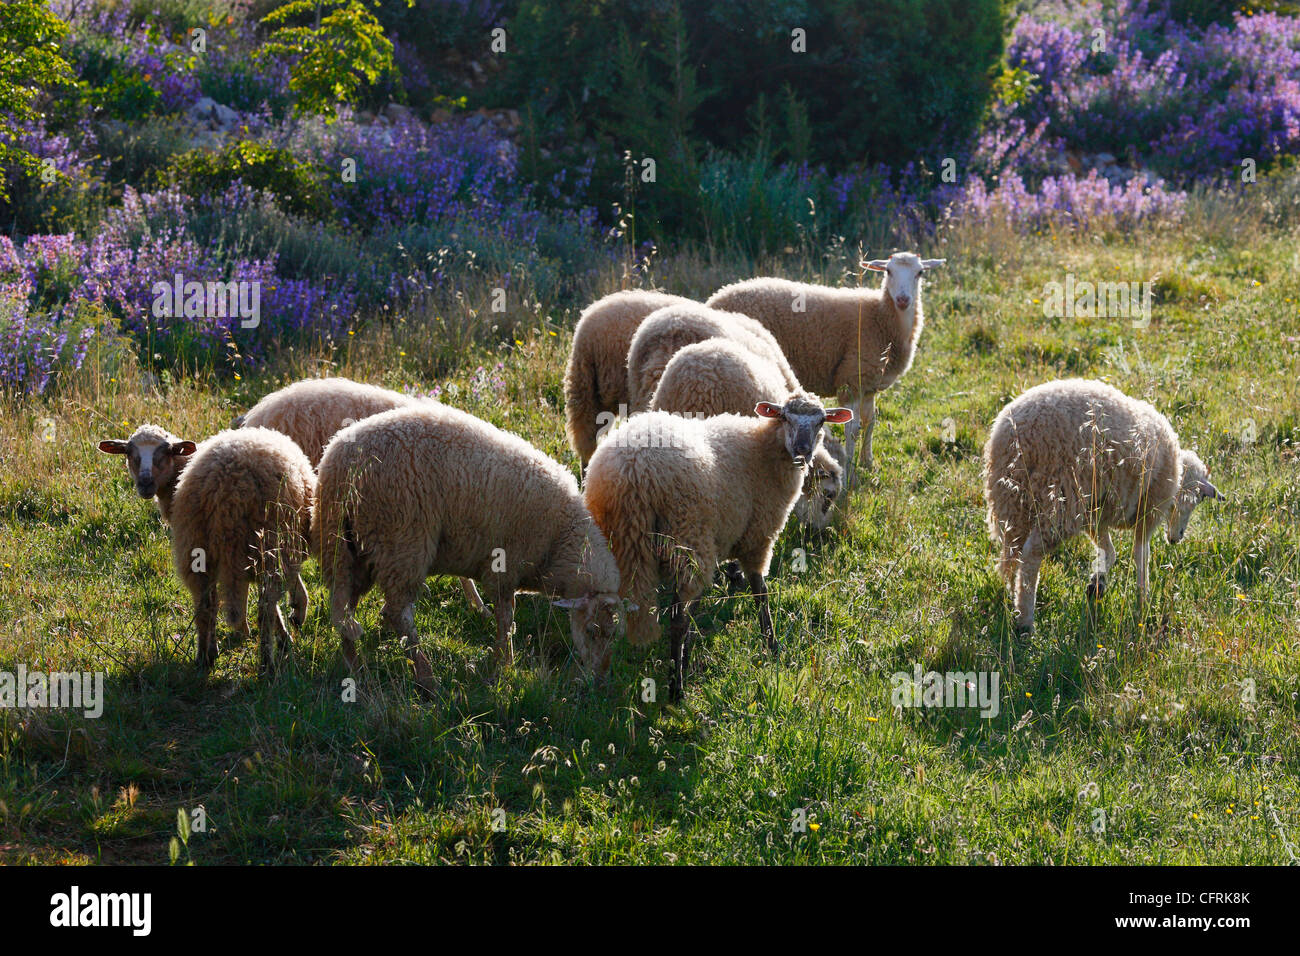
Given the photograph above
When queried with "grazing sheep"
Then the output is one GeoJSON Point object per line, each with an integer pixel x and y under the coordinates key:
{"type": "Point", "coordinates": [667, 331]}
{"type": "Point", "coordinates": [1079, 456]}
{"type": "Point", "coordinates": [154, 459]}
{"type": "Point", "coordinates": [433, 490]}
{"type": "Point", "coordinates": [823, 484]}
{"type": "Point", "coordinates": [595, 380]}
{"type": "Point", "coordinates": [675, 495]}
{"type": "Point", "coordinates": [851, 343]}
{"type": "Point", "coordinates": [312, 411]}
{"type": "Point", "coordinates": [721, 376]}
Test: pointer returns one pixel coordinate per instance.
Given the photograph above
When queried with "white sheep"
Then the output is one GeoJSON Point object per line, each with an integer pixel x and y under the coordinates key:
{"type": "Point", "coordinates": [852, 343]}
{"type": "Point", "coordinates": [312, 411]}
{"type": "Point", "coordinates": [722, 376]}
{"type": "Point", "coordinates": [667, 331]}
{"type": "Point", "coordinates": [1078, 456]}
{"type": "Point", "coordinates": [676, 495]}
{"type": "Point", "coordinates": [595, 379]}
{"type": "Point", "coordinates": [238, 505]}
{"type": "Point", "coordinates": [433, 490]}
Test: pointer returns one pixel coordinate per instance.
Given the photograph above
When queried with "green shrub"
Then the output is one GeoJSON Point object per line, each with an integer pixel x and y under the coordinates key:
{"type": "Point", "coordinates": [297, 186]}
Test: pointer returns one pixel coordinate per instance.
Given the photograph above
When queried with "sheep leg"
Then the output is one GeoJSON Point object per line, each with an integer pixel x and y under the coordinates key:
{"type": "Point", "coordinates": [342, 603]}
{"type": "Point", "coordinates": [868, 425]}
{"type": "Point", "coordinates": [1101, 566]}
{"type": "Point", "coordinates": [270, 623]}
{"type": "Point", "coordinates": [758, 587]}
{"type": "Point", "coordinates": [298, 597]}
{"type": "Point", "coordinates": [474, 598]}
{"type": "Point", "coordinates": [204, 589]}
{"type": "Point", "coordinates": [505, 613]}
{"type": "Point", "coordinates": [237, 609]}
{"type": "Point", "coordinates": [681, 633]}
{"type": "Point", "coordinates": [399, 614]}
{"type": "Point", "coordinates": [1031, 558]}
{"type": "Point", "coordinates": [1141, 558]}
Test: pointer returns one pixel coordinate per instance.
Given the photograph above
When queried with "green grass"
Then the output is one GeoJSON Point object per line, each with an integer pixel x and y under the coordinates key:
{"type": "Point", "coordinates": [1139, 715]}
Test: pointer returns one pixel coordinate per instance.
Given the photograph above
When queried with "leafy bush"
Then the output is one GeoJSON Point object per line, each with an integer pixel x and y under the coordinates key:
{"type": "Point", "coordinates": [297, 186]}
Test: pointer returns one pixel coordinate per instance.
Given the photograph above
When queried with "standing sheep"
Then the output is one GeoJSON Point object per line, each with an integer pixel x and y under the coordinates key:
{"type": "Point", "coordinates": [675, 495]}
{"type": "Point", "coordinates": [1078, 456]}
{"type": "Point", "coordinates": [667, 331]}
{"type": "Point", "coordinates": [851, 343]}
{"type": "Point", "coordinates": [313, 411]}
{"type": "Point", "coordinates": [238, 509]}
{"type": "Point", "coordinates": [595, 379]}
{"type": "Point", "coordinates": [433, 490]}
{"type": "Point", "coordinates": [721, 376]}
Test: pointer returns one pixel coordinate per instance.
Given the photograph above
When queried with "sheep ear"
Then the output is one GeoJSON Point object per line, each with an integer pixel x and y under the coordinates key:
{"type": "Point", "coordinates": [183, 448]}
{"type": "Point", "coordinates": [767, 410]}
{"type": "Point", "coordinates": [932, 263]}
{"type": "Point", "coordinates": [567, 603]}
{"type": "Point", "coordinates": [838, 416]}
{"type": "Point", "coordinates": [876, 265]}
{"type": "Point", "coordinates": [113, 446]}
{"type": "Point", "coordinates": [1208, 490]}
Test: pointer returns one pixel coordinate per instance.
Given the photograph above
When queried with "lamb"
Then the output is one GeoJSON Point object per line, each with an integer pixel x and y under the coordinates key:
{"type": "Point", "coordinates": [595, 380]}
{"type": "Point", "coordinates": [154, 459]}
{"type": "Point", "coordinates": [312, 411]}
{"type": "Point", "coordinates": [720, 376]}
{"type": "Point", "coordinates": [667, 331]}
{"type": "Point", "coordinates": [238, 505]}
{"type": "Point", "coordinates": [674, 495]}
{"type": "Point", "coordinates": [823, 484]}
{"type": "Point", "coordinates": [852, 343]}
{"type": "Point", "coordinates": [1078, 456]}
{"type": "Point", "coordinates": [433, 490]}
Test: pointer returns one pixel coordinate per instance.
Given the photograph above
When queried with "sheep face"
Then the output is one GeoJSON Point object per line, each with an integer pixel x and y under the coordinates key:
{"type": "Point", "coordinates": [593, 625]}
{"type": "Point", "coordinates": [153, 457]}
{"type": "Point", "coordinates": [903, 276]}
{"type": "Point", "coordinates": [802, 421]}
{"type": "Point", "coordinates": [821, 488]}
{"type": "Point", "coordinates": [1195, 488]}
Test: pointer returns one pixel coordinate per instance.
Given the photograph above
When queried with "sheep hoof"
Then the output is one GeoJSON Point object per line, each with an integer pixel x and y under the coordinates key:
{"type": "Point", "coordinates": [1096, 586]}
{"type": "Point", "coordinates": [1024, 630]}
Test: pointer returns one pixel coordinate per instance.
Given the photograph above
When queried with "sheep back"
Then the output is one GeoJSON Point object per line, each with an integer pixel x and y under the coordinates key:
{"type": "Point", "coordinates": [1077, 455]}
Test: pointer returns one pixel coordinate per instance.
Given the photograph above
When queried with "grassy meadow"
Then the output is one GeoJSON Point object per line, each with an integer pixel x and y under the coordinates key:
{"type": "Point", "coordinates": [1179, 725]}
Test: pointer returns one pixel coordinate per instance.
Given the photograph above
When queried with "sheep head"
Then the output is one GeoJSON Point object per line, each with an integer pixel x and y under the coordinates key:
{"type": "Point", "coordinates": [802, 419]}
{"type": "Point", "coordinates": [903, 276]}
{"type": "Point", "coordinates": [154, 457]}
{"type": "Point", "coordinates": [1195, 488]}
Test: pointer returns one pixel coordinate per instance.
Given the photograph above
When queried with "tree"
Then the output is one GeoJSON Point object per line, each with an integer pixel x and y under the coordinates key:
{"type": "Point", "coordinates": [345, 48]}
{"type": "Point", "coordinates": [31, 61]}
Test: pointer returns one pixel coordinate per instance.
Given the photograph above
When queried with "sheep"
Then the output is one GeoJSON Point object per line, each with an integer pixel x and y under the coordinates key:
{"type": "Point", "coordinates": [674, 495]}
{"type": "Point", "coordinates": [720, 376]}
{"type": "Point", "coordinates": [313, 410]}
{"type": "Point", "coordinates": [852, 343]}
{"type": "Point", "coordinates": [668, 330]}
{"type": "Point", "coordinates": [1078, 456]}
{"type": "Point", "coordinates": [595, 379]}
{"type": "Point", "coordinates": [154, 459]}
{"type": "Point", "coordinates": [823, 484]}
{"type": "Point", "coordinates": [433, 490]}
{"type": "Point", "coordinates": [238, 505]}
